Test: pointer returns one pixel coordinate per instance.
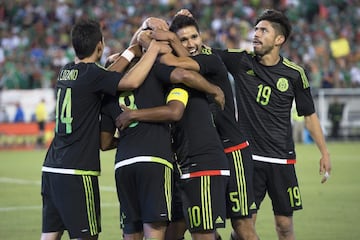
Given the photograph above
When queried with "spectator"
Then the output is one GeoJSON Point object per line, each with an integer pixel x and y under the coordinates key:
{"type": "Point", "coordinates": [4, 117]}
{"type": "Point", "coordinates": [41, 117]}
{"type": "Point", "coordinates": [335, 113]}
{"type": "Point", "coordinates": [19, 114]}
{"type": "Point", "coordinates": [28, 28]}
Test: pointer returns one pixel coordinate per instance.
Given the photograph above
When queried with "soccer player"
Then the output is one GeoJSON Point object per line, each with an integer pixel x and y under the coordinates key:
{"type": "Point", "coordinates": [203, 164]}
{"type": "Point", "coordinates": [144, 159]}
{"type": "Point", "coordinates": [70, 190]}
{"type": "Point", "coordinates": [240, 195]}
{"type": "Point", "coordinates": [268, 84]}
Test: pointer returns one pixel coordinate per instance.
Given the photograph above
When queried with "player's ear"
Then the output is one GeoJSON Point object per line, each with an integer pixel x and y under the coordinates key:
{"type": "Point", "coordinates": [100, 48]}
{"type": "Point", "coordinates": [279, 40]}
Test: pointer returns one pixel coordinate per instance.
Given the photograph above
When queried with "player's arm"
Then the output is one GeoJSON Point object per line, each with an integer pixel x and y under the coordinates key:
{"type": "Point", "coordinates": [151, 23]}
{"type": "Point", "coordinates": [108, 137]}
{"type": "Point", "coordinates": [312, 124]}
{"type": "Point", "coordinates": [108, 141]}
{"type": "Point", "coordinates": [120, 61]}
{"type": "Point", "coordinates": [171, 112]}
{"type": "Point", "coordinates": [172, 38]}
{"type": "Point", "coordinates": [182, 62]}
{"type": "Point", "coordinates": [195, 80]}
{"type": "Point", "coordinates": [137, 74]}
{"type": "Point", "coordinates": [192, 78]}
{"type": "Point", "coordinates": [108, 133]}
{"type": "Point", "coordinates": [205, 64]}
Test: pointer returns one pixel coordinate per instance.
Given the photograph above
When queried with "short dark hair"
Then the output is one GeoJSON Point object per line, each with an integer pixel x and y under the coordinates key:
{"type": "Point", "coordinates": [278, 20]}
{"type": "Point", "coordinates": [181, 21]}
{"type": "Point", "coordinates": [85, 35]}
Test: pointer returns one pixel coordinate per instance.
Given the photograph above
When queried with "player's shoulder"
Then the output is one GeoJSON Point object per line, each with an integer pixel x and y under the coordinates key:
{"type": "Point", "coordinates": [292, 66]}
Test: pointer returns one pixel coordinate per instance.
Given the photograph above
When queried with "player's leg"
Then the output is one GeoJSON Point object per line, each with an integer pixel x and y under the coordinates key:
{"type": "Point", "coordinates": [51, 236]}
{"type": "Point", "coordinates": [176, 230]}
{"type": "Point", "coordinates": [155, 196]}
{"type": "Point", "coordinates": [204, 205]}
{"type": "Point", "coordinates": [155, 231]}
{"type": "Point", "coordinates": [52, 225]}
{"type": "Point", "coordinates": [203, 235]}
{"type": "Point", "coordinates": [177, 226]}
{"type": "Point", "coordinates": [285, 195]}
{"type": "Point", "coordinates": [130, 215]}
{"type": "Point", "coordinates": [240, 194]}
{"type": "Point", "coordinates": [82, 219]}
{"type": "Point", "coordinates": [134, 236]}
{"type": "Point", "coordinates": [243, 229]}
{"type": "Point", "coordinates": [76, 198]}
{"type": "Point", "coordinates": [284, 227]}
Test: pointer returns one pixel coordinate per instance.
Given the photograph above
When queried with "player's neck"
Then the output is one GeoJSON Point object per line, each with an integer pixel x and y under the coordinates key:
{"type": "Point", "coordinates": [269, 59]}
{"type": "Point", "coordinates": [91, 59]}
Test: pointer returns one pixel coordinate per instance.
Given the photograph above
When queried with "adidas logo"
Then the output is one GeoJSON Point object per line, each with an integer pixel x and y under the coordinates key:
{"type": "Point", "coordinates": [219, 220]}
{"type": "Point", "coordinates": [253, 206]}
{"type": "Point", "coordinates": [250, 72]}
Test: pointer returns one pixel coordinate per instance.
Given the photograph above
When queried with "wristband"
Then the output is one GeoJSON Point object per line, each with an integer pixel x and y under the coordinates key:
{"type": "Point", "coordinates": [128, 55]}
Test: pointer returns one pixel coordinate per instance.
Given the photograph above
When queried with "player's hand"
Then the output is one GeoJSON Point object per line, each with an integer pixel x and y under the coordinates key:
{"type": "Point", "coordinates": [111, 59]}
{"type": "Point", "coordinates": [155, 23]}
{"type": "Point", "coordinates": [124, 119]}
{"type": "Point", "coordinates": [219, 97]}
{"type": "Point", "coordinates": [185, 12]}
{"type": "Point", "coordinates": [144, 38]}
{"type": "Point", "coordinates": [162, 46]}
{"type": "Point", "coordinates": [325, 167]}
{"type": "Point", "coordinates": [162, 35]}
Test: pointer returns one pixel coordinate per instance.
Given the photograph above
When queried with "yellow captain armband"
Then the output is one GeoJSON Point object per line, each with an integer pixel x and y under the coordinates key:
{"type": "Point", "coordinates": [178, 94]}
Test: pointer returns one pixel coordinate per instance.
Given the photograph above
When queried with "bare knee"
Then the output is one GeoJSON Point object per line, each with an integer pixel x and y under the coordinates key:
{"type": "Point", "coordinates": [244, 229]}
{"type": "Point", "coordinates": [284, 227]}
{"type": "Point", "coordinates": [155, 230]}
{"type": "Point", "coordinates": [52, 236]}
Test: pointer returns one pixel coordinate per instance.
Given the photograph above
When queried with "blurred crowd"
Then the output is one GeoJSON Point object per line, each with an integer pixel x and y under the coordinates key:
{"type": "Point", "coordinates": [35, 34]}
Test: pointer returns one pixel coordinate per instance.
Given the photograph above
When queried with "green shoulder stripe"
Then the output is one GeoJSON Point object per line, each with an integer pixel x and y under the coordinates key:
{"type": "Point", "coordinates": [100, 66]}
{"type": "Point", "coordinates": [236, 50]}
{"type": "Point", "coordinates": [239, 50]}
{"type": "Point", "coordinates": [296, 67]}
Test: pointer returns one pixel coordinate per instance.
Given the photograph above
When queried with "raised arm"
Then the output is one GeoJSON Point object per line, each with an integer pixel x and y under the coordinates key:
{"type": "Point", "coordinates": [172, 38]}
{"type": "Point", "coordinates": [137, 74]}
{"type": "Point", "coordinates": [150, 23]}
{"type": "Point", "coordinates": [119, 61]}
{"type": "Point", "coordinates": [195, 80]}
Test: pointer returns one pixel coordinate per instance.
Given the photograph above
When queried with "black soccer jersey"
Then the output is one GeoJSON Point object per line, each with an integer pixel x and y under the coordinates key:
{"type": "Point", "coordinates": [212, 68]}
{"type": "Point", "coordinates": [266, 94]}
{"type": "Point", "coordinates": [141, 138]}
{"type": "Point", "coordinates": [79, 89]}
{"type": "Point", "coordinates": [197, 143]}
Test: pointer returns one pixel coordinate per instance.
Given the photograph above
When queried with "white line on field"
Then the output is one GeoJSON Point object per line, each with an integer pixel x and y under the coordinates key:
{"type": "Point", "coordinates": [24, 208]}
{"type": "Point", "coordinates": [29, 182]}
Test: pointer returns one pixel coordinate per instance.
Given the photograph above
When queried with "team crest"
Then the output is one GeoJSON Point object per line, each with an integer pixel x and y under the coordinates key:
{"type": "Point", "coordinates": [282, 84]}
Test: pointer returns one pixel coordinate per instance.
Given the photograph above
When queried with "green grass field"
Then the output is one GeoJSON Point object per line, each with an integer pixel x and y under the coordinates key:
{"type": "Point", "coordinates": [331, 210]}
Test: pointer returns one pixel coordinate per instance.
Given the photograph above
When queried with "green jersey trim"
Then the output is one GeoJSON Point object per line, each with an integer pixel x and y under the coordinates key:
{"type": "Point", "coordinates": [293, 65]}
